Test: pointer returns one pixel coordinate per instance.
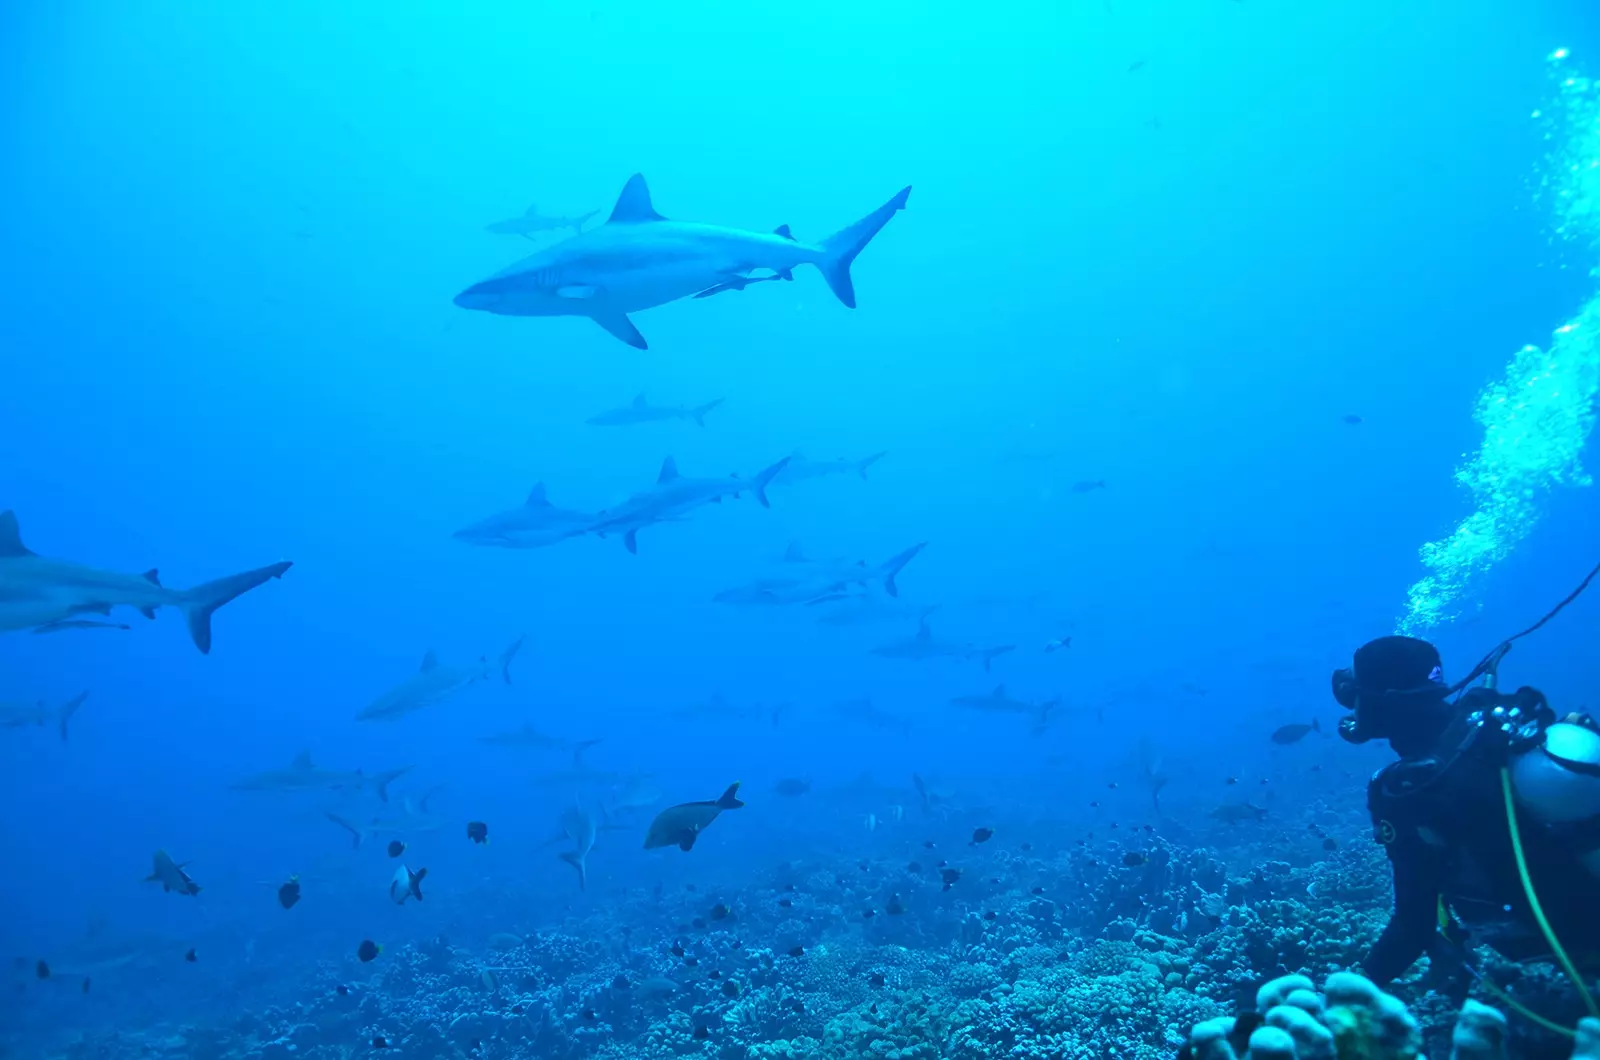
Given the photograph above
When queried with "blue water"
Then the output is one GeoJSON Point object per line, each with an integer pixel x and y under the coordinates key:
{"type": "Point", "coordinates": [232, 235]}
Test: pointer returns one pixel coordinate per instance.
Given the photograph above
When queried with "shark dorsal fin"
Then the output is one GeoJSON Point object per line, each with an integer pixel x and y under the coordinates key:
{"type": "Point", "coordinates": [153, 576]}
{"type": "Point", "coordinates": [633, 205]}
{"type": "Point", "coordinates": [797, 457]}
{"type": "Point", "coordinates": [923, 632]}
{"type": "Point", "coordinates": [10, 536]}
{"type": "Point", "coordinates": [536, 496]}
{"type": "Point", "coordinates": [669, 471]}
{"type": "Point", "coordinates": [430, 661]}
{"type": "Point", "coordinates": [532, 210]}
{"type": "Point", "coordinates": [794, 554]}
{"type": "Point", "coordinates": [1000, 690]}
{"type": "Point", "coordinates": [639, 402]}
{"type": "Point", "coordinates": [301, 761]}
{"type": "Point", "coordinates": [783, 230]}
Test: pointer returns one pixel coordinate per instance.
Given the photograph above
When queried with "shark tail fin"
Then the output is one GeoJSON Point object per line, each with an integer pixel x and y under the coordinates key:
{"type": "Point", "coordinates": [730, 799]}
{"type": "Point", "coordinates": [868, 461]}
{"type": "Point", "coordinates": [576, 860]}
{"type": "Point", "coordinates": [763, 480]}
{"type": "Point", "coordinates": [841, 248]}
{"type": "Point", "coordinates": [699, 414]}
{"type": "Point", "coordinates": [579, 748]}
{"type": "Point", "coordinates": [358, 835]}
{"type": "Point", "coordinates": [202, 600]}
{"type": "Point", "coordinates": [381, 781]}
{"type": "Point", "coordinates": [895, 564]}
{"type": "Point", "coordinates": [509, 654]}
{"type": "Point", "coordinates": [422, 803]}
{"type": "Point", "coordinates": [68, 709]}
{"type": "Point", "coordinates": [990, 654]}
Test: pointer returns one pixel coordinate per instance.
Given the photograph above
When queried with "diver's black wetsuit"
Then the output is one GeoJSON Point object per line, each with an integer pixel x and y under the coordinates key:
{"type": "Point", "coordinates": [1443, 823]}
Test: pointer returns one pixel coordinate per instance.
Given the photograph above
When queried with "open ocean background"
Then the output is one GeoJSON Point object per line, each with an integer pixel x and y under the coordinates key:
{"type": "Point", "coordinates": [1170, 246]}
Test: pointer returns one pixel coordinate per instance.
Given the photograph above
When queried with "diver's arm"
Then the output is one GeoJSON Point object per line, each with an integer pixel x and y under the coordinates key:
{"type": "Point", "coordinates": [1417, 878]}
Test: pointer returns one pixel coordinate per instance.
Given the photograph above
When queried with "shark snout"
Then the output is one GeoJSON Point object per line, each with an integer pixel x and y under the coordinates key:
{"type": "Point", "coordinates": [473, 298]}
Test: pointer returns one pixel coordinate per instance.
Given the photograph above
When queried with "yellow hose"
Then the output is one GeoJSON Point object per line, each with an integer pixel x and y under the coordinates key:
{"type": "Point", "coordinates": [1533, 899]}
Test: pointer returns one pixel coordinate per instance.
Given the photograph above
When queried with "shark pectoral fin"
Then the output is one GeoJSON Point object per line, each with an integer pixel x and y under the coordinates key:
{"type": "Point", "coordinates": [577, 291]}
{"type": "Point", "coordinates": [622, 328]}
{"type": "Point", "coordinates": [631, 541]}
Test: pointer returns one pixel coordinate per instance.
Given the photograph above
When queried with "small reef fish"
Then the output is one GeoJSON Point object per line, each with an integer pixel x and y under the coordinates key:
{"type": "Point", "coordinates": [1296, 732]}
{"type": "Point", "coordinates": [406, 884]}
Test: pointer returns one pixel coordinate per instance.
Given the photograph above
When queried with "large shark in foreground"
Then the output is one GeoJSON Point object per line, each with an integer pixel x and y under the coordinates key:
{"type": "Point", "coordinates": [639, 259]}
{"type": "Point", "coordinates": [433, 684]}
{"type": "Point", "coordinates": [38, 591]}
{"type": "Point", "coordinates": [673, 495]}
{"type": "Point", "coordinates": [534, 524]}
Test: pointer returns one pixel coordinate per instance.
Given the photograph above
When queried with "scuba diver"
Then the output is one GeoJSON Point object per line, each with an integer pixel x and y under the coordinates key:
{"type": "Point", "coordinates": [1490, 817]}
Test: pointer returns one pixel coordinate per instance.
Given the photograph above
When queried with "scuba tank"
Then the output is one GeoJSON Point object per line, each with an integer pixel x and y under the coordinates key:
{"type": "Point", "coordinates": [1556, 781]}
{"type": "Point", "coordinates": [1552, 765]}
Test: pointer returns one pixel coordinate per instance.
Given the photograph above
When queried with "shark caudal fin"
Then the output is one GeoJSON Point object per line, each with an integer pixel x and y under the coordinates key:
{"type": "Point", "coordinates": [990, 654]}
{"type": "Point", "coordinates": [68, 709]}
{"type": "Point", "coordinates": [202, 600]}
{"type": "Point", "coordinates": [841, 248]}
{"type": "Point", "coordinates": [509, 654]}
{"type": "Point", "coordinates": [358, 835]}
{"type": "Point", "coordinates": [699, 414]}
{"type": "Point", "coordinates": [576, 860]}
{"type": "Point", "coordinates": [868, 461]}
{"type": "Point", "coordinates": [730, 799]}
{"type": "Point", "coordinates": [381, 782]}
{"type": "Point", "coordinates": [895, 564]}
{"type": "Point", "coordinates": [763, 480]}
